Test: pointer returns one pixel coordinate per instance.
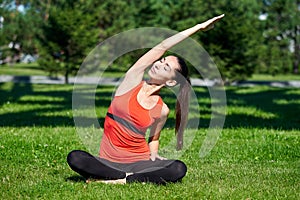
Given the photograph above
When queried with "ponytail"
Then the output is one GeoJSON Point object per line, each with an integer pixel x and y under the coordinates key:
{"type": "Point", "coordinates": [182, 104]}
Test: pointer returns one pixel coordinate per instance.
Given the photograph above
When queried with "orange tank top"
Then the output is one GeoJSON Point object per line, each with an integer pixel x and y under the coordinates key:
{"type": "Point", "coordinates": [121, 143]}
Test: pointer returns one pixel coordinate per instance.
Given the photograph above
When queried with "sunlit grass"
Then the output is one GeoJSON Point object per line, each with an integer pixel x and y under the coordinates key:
{"type": "Point", "coordinates": [257, 154]}
{"type": "Point", "coordinates": [33, 69]}
{"type": "Point", "coordinates": [278, 77]}
{"type": "Point", "coordinates": [22, 69]}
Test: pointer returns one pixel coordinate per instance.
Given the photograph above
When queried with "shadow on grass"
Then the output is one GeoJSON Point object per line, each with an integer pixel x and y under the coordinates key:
{"type": "Point", "coordinates": [42, 106]}
{"type": "Point", "coordinates": [76, 178]}
{"type": "Point", "coordinates": [258, 107]}
{"type": "Point", "coordinates": [252, 107]}
{"type": "Point", "coordinates": [269, 108]}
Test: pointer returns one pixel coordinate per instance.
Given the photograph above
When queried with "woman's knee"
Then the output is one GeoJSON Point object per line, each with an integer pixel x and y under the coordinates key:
{"type": "Point", "coordinates": [179, 168]}
{"type": "Point", "coordinates": [74, 158]}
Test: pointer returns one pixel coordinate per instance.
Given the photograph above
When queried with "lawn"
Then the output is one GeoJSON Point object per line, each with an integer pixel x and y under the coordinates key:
{"type": "Point", "coordinates": [257, 155]}
{"type": "Point", "coordinates": [278, 77]}
{"type": "Point", "coordinates": [33, 69]}
{"type": "Point", "coordinates": [22, 69]}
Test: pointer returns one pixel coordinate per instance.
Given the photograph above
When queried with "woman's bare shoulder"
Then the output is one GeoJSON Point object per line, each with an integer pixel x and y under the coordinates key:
{"type": "Point", "coordinates": [126, 86]}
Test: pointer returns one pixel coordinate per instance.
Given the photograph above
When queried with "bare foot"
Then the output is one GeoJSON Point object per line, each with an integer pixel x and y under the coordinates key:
{"type": "Point", "coordinates": [116, 181]}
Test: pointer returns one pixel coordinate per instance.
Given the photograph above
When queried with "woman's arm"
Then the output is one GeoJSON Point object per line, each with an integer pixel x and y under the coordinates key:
{"type": "Point", "coordinates": [135, 74]}
{"type": "Point", "coordinates": [155, 133]}
{"type": "Point", "coordinates": [156, 52]}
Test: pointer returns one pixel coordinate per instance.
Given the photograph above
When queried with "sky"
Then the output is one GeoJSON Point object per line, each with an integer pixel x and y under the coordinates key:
{"type": "Point", "coordinates": [12, 5]}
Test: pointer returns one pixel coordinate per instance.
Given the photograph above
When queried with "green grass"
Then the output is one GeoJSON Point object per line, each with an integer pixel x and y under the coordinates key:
{"type": "Point", "coordinates": [33, 69]}
{"type": "Point", "coordinates": [279, 77]}
{"type": "Point", "coordinates": [257, 155]}
{"type": "Point", "coordinates": [22, 69]}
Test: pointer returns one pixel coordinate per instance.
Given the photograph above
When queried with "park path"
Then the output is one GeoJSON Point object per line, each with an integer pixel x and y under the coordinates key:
{"type": "Point", "coordinates": [115, 81]}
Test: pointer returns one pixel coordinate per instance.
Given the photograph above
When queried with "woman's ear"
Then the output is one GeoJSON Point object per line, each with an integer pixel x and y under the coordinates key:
{"type": "Point", "coordinates": [171, 83]}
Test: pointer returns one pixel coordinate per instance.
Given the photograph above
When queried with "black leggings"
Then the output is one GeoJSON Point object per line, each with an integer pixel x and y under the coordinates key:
{"type": "Point", "coordinates": [158, 171]}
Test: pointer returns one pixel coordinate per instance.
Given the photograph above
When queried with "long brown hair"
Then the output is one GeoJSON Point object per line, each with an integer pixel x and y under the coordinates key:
{"type": "Point", "coordinates": [182, 104]}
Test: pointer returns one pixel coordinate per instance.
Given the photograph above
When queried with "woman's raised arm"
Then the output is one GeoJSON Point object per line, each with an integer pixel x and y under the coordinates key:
{"type": "Point", "coordinates": [156, 52]}
{"type": "Point", "coordinates": [135, 74]}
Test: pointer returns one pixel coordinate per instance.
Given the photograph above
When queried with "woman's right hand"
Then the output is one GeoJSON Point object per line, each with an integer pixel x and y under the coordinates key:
{"type": "Point", "coordinates": [209, 24]}
{"type": "Point", "coordinates": [155, 156]}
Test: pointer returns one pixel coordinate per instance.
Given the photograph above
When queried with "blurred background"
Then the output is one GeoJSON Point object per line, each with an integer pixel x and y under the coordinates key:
{"type": "Point", "coordinates": [257, 38]}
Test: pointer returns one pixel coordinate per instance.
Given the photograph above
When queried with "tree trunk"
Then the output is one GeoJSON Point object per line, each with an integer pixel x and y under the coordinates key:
{"type": "Point", "coordinates": [296, 59]}
{"type": "Point", "coordinates": [296, 67]}
{"type": "Point", "coordinates": [67, 76]}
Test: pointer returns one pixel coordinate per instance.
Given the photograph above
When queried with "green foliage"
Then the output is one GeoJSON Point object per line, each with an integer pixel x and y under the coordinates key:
{"type": "Point", "coordinates": [240, 44]}
{"type": "Point", "coordinates": [282, 36]}
{"type": "Point", "coordinates": [19, 29]}
{"type": "Point", "coordinates": [114, 16]}
{"type": "Point", "coordinates": [233, 42]}
{"type": "Point", "coordinates": [68, 35]}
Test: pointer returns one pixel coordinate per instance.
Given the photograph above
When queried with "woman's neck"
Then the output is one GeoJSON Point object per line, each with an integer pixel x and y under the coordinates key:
{"type": "Point", "coordinates": [150, 88]}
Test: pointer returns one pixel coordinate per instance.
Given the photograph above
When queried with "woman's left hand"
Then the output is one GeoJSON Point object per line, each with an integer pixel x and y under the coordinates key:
{"type": "Point", "coordinates": [209, 24]}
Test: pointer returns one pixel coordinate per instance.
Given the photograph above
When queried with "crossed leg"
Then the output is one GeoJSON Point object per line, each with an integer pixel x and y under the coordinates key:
{"type": "Point", "coordinates": [159, 171]}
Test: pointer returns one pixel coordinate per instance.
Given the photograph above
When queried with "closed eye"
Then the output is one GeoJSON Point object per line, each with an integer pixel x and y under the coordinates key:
{"type": "Point", "coordinates": [167, 67]}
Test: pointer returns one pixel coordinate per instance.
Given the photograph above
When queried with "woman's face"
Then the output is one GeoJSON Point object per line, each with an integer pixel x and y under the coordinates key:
{"type": "Point", "coordinates": [164, 70]}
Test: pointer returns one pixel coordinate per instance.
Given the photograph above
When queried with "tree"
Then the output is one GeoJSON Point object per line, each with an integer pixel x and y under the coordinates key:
{"type": "Point", "coordinates": [69, 33]}
{"type": "Point", "coordinates": [18, 30]}
{"type": "Point", "coordinates": [233, 44]}
{"type": "Point", "coordinates": [283, 32]}
{"type": "Point", "coordinates": [68, 29]}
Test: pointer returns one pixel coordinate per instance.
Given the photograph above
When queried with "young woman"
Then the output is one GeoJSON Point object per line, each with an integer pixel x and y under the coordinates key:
{"type": "Point", "coordinates": [125, 156]}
